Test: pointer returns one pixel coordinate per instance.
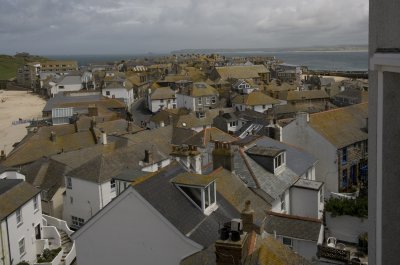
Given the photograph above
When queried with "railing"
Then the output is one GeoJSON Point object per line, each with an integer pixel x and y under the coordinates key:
{"type": "Point", "coordinates": [333, 253]}
{"type": "Point", "coordinates": [59, 224]}
{"type": "Point", "coordinates": [51, 233]}
{"type": "Point", "coordinates": [55, 261]}
{"type": "Point", "coordinates": [71, 255]}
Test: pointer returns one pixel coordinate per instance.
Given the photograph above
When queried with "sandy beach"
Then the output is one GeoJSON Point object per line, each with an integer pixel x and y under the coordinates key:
{"type": "Point", "coordinates": [13, 106]}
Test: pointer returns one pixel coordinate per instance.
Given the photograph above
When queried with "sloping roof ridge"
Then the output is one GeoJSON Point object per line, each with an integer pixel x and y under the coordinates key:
{"type": "Point", "coordinates": [241, 152]}
{"type": "Point", "coordinates": [339, 109]}
{"type": "Point", "coordinates": [294, 217]}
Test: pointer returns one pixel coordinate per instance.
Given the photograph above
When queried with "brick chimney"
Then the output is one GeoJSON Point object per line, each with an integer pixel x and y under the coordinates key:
{"type": "Point", "coordinates": [148, 156]}
{"type": "Point", "coordinates": [93, 110]}
{"type": "Point", "coordinates": [223, 156]}
{"type": "Point", "coordinates": [247, 216]}
{"type": "Point", "coordinates": [230, 252]}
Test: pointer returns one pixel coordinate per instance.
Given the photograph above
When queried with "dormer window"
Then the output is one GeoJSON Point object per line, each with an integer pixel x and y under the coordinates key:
{"type": "Point", "coordinates": [199, 189]}
{"type": "Point", "coordinates": [279, 160]}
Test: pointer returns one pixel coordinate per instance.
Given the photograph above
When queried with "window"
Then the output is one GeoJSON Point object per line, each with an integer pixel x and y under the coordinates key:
{"type": "Point", "coordinates": [287, 241]}
{"type": "Point", "coordinates": [233, 123]}
{"type": "Point", "coordinates": [161, 101]}
{"type": "Point", "coordinates": [279, 160]}
{"type": "Point", "coordinates": [61, 87]}
{"type": "Point", "coordinates": [19, 216]}
{"type": "Point", "coordinates": [199, 101]}
{"type": "Point", "coordinates": [208, 100]}
{"type": "Point", "coordinates": [76, 221]}
{"type": "Point", "coordinates": [21, 245]}
{"type": "Point", "coordinates": [344, 178]}
{"type": "Point", "coordinates": [112, 184]}
{"type": "Point", "coordinates": [344, 155]}
{"type": "Point", "coordinates": [71, 200]}
{"type": "Point", "coordinates": [213, 100]}
{"type": "Point", "coordinates": [69, 183]}
{"type": "Point", "coordinates": [35, 203]}
{"type": "Point", "coordinates": [107, 93]}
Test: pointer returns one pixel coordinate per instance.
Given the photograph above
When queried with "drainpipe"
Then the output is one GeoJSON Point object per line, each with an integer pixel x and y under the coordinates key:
{"type": "Point", "coordinates": [8, 239]}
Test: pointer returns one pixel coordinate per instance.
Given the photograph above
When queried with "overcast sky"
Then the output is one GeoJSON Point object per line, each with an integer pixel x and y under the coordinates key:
{"type": "Point", "coordinates": [141, 26]}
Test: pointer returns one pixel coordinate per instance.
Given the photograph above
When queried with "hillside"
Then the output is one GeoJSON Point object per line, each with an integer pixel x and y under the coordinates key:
{"type": "Point", "coordinates": [9, 64]}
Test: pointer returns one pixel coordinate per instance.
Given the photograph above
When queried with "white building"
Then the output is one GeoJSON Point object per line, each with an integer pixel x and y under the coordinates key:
{"type": "Point", "coordinates": [91, 186]}
{"type": "Point", "coordinates": [118, 236]}
{"type": "Point", "coordinates": [161, 98]}
{"type": "Point", "coordinates": [256, 101]}
{"type": "Point", "coordinates": [120, 90]}
{"type": "Point", "coordinates": [302, 235]}
{"type": "Point", "coordinates": [67, 83]}
{"type": "Point", "coordinates": [243, 86]}
{"type": "Point", "coordinates": [200, 96]}
{"type": "Point", "coordinates": [20, 221]}
{"type": "Point", "coordinates": [338, 138]}
{"type": "Point", "coordinates": [307, 198]}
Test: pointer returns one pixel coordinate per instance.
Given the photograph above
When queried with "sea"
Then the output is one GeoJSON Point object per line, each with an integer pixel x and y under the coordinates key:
{"type": "Point", "coordinates": [314, 60]}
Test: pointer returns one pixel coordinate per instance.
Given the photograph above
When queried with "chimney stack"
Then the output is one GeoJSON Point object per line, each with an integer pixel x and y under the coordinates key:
{"type": "Point", "coordinates": [103, 138]}
{"type": "Point", "coordinates": [148, 156]}
{"type": "Point", "coordinates": [233, 249]}
{"type": "Point", "coordinates": [93, 111]}
{"type": "Point", "coordinates": [129, 127]}
{"type": "Point", "coordinates": [222, 156]}
{"type": "Point", "coordinates": [2, 155]}
{"type": "Point", "coordinates": [247, 216]}
{"type": "Point", "coordinates": [53, 136]}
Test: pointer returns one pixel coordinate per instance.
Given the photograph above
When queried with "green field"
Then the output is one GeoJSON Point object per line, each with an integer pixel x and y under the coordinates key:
{"type": "Point", "coordinates": [9, 64]}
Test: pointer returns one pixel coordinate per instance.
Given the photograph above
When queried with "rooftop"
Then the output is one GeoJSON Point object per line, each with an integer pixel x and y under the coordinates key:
{"type": "Point", "coordinates": [192, 179]}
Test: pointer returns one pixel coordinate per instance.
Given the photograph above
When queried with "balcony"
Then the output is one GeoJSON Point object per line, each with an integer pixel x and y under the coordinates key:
{"type": "Point", "coordinates": [68, 253]}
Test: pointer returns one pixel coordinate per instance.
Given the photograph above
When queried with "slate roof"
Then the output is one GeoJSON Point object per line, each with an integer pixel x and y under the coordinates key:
{"type": "Point", "coordinates": [202, 138]}
{"type": "Point", "coordinates": [201, 89]}
{"type": "Point", "coordinates": [307, 95]}
{"type": "Point", "coordinates": [178, 210]}
{"type": "Point", "coordinates": [14, 193]}
{"type": "Point", "coordinates": [46, 174]}
{"type": "Point", "coordinates": [39, 144]}
{"type": "Point", "coordinates": [241, 72]}
{"type": "Point", "coordinates": [298, 160]}
{"type": "Point", "coordinates": [70, 80]}
{"type": "Point", "coordinates": [180, 135]}
{"type": "Point", "coordinates": [254, 99]}
{"type": "Point", "coordinates": [267, 251]}
{"type": "Point", "coordinates": [82, 100]}
{"type": "Point", "coordinates": [130, 175]}
{"type": "Point", "coordinates": [308, 184]}
{"type": "Point", "coordinates": [105, 166]}
{"type": "Point", "coordinates": [293, 226]}
{"type": "Point", "coordinates": [192, 179]}
{"type": "Point", "coordinates": [342, 126]}
{"type": "Point", "coordinates": [162, 93]}
{"type": "Point", "coordinates": [264, 151]}
{"type": "Point", "coordinates": [232, 188]}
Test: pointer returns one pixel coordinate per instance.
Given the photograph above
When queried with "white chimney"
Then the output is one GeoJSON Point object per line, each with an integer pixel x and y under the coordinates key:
{"type": "Point", "coordinates": [162, 124]}
{"type": "Point", "coordinates": [103, 138]}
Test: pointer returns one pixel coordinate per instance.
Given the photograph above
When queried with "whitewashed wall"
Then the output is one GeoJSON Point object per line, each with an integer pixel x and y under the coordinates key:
{"type": "Point", "coordinates": [346, 228]}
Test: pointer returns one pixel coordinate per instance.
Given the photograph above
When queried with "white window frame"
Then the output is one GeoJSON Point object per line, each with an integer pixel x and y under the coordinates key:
{"type": "Point", "coordinates": [35, 203]}
{"type": "Point", "coordinates": [283, 202]}
{"type": "Point", "coordinates": [213, 100]}
{"type": "Point", "coordinates": [18, 215]}
{"type": "Point", "coordinates": [208, 101]}
{"type": "Point", "coordinates": [199, 101]}
{"type": "Point", "coordinates": [289, 239]}
{"type": "Point", "coordinates": [21, 246]}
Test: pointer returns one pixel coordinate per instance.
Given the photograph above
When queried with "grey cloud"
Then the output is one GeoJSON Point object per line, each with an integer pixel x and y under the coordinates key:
{"type": "Point", "coordinates": [126, 26]}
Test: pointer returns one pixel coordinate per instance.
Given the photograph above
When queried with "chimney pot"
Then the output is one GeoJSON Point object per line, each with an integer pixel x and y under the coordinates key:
{"type": "Point", "coordinates": [148, 156]}
{"type": "Point", "coordinates": [53, 136]}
